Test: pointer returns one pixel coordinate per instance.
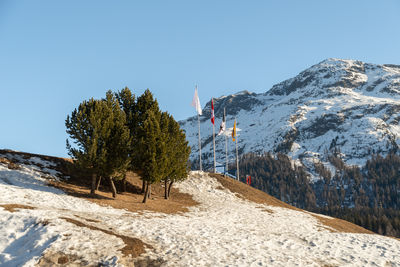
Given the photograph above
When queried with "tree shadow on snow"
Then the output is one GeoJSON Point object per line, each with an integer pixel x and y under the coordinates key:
{"type": "Point", "coordinates": [27, 246]}
{"type": "Point", "coordinates": [26, 181]}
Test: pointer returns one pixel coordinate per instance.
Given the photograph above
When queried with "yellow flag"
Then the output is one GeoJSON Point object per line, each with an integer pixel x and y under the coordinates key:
{"type": "Point", "coordinates": [234, 131]}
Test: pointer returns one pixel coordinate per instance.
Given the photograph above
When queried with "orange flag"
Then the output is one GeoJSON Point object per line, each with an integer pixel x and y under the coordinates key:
{"type": "Point", "coordinates": [234, 131]}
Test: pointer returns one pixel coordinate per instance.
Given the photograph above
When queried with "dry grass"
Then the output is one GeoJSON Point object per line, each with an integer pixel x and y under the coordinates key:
{"type": "Point", "coordinates": [51, 259]}
{"type": "Point", "coordinates": [26, 155]}
{"type": "Point", "coordinates": [252, 194]}
{"type": "Point", "coordinates": [63, 165]}
{"type": "Point", "coordinates": [247, 192]}
{"type": "Point", "coordinates": [341, 225]}
{"type": "Point", "coordinates": [4, 160]}
{"type": "Point", "coordinates": [14, 207]}
{"type": "Point", "coordinates": [10, 164]}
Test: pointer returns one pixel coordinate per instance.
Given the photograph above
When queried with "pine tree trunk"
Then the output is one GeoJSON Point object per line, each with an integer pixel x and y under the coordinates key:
{"type": "Point", "coordinates": [166, 189]}
{"type": "Point", "coordinates": [143, 186]}
{"type": "Point", "coordinates": [98, 183]}
{"type": "Point", "coordinates": [124, 183]}
{"type": "Point", "coordinates": [93, 189]}
{"type": "Point", "coordinates": [145, 193]}
{"type": "Point", "coordinates": [149, 191]}
{"type": "Point", "coordinates": [113, 189]}
{"type": "Point", "coordinates": [169, 188]}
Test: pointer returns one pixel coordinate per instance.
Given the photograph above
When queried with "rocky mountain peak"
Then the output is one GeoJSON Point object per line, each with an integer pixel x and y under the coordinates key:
{"type": "Point", "coordinates": [243, 100]}
{"type": "Point", "coordinates": [346, 105]}
{"type": "Point", "coordinates": [339, 77]}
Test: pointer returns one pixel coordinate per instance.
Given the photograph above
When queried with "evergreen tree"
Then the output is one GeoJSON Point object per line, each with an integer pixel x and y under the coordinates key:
{"type": "Point", "coordinates": [127, 102]}
{"type": "Point", "coordinates": [97, 128]}
{"type": "Point", "coordinates": [85, 127]}
{"type": "Point", "coordinates": [166, 136]}
{"type": "Point", "coordinates": [151, 149]}
{"type": "Point", "coordinates": [178, 152]}
{"type": "Point", "coordinates": [144, 104]}
{"type": "Point", "coordinates": [118, 143]}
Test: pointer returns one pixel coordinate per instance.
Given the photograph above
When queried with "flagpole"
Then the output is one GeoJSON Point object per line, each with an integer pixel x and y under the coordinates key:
{"type": "Point", "coordinates": [214, 147]}
{"type": "Point", "coordinates": [237, 157]}
{"type": "Point", "coordinates": [213, 123]}
{"type": "Point", "coordinates": [198, 119]}
{"type": "Point", "coordinates": [196, 104]}
{"type": "Point", "coordinates": [226, 151]}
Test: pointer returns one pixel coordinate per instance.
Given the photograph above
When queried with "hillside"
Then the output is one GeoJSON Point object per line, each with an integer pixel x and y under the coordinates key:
{"type": "Point", "coordinates": [337, 122]}
{"type": "Point", "coordinates": [342, 105]}
{"type": "Point", "coordinates": [228, 223]}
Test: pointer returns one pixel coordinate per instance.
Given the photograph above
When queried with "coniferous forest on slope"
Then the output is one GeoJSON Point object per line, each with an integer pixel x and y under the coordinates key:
{"type": "Point", "coordinates": [367, 196]}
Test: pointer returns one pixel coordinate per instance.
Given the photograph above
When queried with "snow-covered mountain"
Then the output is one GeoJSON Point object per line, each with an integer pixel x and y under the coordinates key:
{"type": "Point", "coordinates": [43, 226]}
{"type": "Point", "coordinates": [347, 104]}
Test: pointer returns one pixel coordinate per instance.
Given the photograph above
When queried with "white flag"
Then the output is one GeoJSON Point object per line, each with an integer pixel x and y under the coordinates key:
{"type": "Point", "coordinates": [222, 126]}
{"type": "Point", "coordinates": [196, 102]}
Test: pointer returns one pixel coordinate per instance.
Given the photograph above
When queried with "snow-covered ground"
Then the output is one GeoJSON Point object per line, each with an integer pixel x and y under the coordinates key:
{"type": "Point", "coordinates": [223, 230]}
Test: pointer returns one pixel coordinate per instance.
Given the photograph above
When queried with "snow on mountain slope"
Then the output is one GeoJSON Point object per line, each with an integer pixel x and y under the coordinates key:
{"type": "Point", "coordinates": [344, 103]}
{"type": "Point", "coordinates": [223, 230]}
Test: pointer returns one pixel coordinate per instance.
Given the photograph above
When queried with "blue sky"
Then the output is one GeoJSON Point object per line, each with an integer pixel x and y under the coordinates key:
{"type": "Point", "coordinates": [55, 54]}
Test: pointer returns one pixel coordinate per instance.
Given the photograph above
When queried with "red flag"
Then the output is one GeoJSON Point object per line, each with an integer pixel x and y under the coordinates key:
{"type": "Point", "coordinates": [234, 132]}
{"type": "Point", "coordinates": [212, 111]}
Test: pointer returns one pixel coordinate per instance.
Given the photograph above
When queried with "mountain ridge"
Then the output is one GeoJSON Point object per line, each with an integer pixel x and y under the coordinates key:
{"type": "Point", "coordinates": [347, 104]}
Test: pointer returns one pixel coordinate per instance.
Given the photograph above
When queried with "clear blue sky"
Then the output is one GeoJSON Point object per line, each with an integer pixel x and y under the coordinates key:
{"type": "Point", "coordinates": [55, 54]}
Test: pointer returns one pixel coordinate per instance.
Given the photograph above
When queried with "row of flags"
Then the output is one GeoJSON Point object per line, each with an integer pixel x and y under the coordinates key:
{"type": "Point", "coordinates": [222, 129]}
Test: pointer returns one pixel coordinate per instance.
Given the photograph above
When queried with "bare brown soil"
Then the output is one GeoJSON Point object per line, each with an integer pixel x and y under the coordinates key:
{"type": "Point", "coordinates": [27, 155]}
{"type": "Point", "coordinates": [10, 164]}
{"type": "Point", "coordinates": [4, 160]}
{"type": "Point", "coordinates": [14, 207]}
{"type": "Point", "coordinates": [341, 225]}
{"type": "Point", "coordinates": [132, 199]}
{"type": "Point", "coordinates": [247, 192]}
{"type": "Point", "coordinates": [252, 194]}
{"type": "Point", "coordinates": [133, 246]}
{"type": "Point", "coordinates": [52, 259]}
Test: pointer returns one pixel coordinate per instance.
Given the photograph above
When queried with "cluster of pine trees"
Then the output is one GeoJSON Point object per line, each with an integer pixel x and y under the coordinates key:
{"type": "Point", "coordinates": [367, 196]}
{"type": "Point", "coordinates": [123, 133]}
{"type": "Point", "coordinates": [279, 177]}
